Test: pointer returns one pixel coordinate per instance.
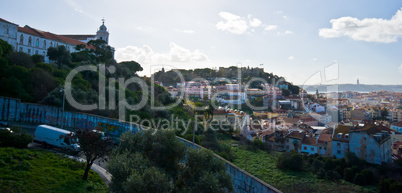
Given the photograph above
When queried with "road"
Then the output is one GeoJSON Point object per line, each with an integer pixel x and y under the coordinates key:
{"type": "Point", "coordinates": [98, 166]}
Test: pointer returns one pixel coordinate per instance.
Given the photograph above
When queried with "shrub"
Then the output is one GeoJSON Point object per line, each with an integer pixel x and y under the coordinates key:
{"type": "Point", "coordinates": [389, 185]}
{"type": "Point", "coordinates": [290, 161]}
{"type": "Point", "coordinates": [317, 165]}
{"type": "Point", "coordinates": [189, 137]}
{"type": "Point", "coordinates": [333, 175]}
{"type": "Point", "coordinates": [321, 174]}
{"type": "Point", "coordinates": [8, 139]}
{"type": "Point", "coordinates": [359, 179]}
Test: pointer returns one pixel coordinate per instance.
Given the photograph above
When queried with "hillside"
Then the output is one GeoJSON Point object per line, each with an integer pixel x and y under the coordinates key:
{"type": "Point", "coordinates": [223, 76]}
{"type": "Point", "coordinates": [30, 79]}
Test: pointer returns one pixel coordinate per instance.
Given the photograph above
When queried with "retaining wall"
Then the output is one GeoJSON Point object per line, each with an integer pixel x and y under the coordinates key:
{"type": "Point", "coordinates": [13, 110]}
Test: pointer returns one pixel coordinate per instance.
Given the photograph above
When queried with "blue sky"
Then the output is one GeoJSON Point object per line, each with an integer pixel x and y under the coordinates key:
{"type": "Point", "coordinates": [293, 39]}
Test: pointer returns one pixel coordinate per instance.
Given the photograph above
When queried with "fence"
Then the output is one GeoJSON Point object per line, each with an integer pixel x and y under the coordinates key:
{"type": "Point", "coordinates": [13, 110]}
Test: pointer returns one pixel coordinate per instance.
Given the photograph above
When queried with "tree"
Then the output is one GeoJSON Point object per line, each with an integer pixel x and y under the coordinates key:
{"type": "Point", "coordinates": [203, 173]}
{"type": "Point", "coordinates": [285, 92]}
{"type": "Point", "coordinates": [5, 48]}
{"type": "Point", "coordinates": [317, 165]}
{"type": "Point", "coordinates": [210, 112]}
{"type": "Point", "coordinates": [37, 58]}
{"type": "Point", "coordinates": [93, 145]}
{"type": "Point", "coordinates": [290, 161]}
{"type": "Point", "coordinates": [156, 161]}
{"type": "Point", "coordinates": [60, 55]}
{"type": "Point", "coordinates": [21, 59]}
{"type": "Point", "coordinates": [102, 51]}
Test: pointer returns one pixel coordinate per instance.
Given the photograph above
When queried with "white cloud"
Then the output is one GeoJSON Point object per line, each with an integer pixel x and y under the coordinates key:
{"type": "Point", "coordinates": [400, 68]}
{"type": "Point", "coordinates": [237, 24]}
{"type": "Point", "coordinates": [367, 29]}
{"type": "Point", "coordinates": [288, 32]}
{"type": "Point", "coordinates": [233, 24]}
{"type": "Point", "coordinates": [271, 27]}
{"type": "Point", "coordinates": [281, 13]}
{"type": "Point", "coordinates": [291, 58]}
{"type": "Point", "coordinates": [187, 31]}
{"type": "Point", "coordinates": [146, 55]}
{"type": "Point", "coordinates": [254, 22]}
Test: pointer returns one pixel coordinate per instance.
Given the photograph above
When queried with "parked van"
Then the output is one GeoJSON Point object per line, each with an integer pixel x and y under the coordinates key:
{"type": "Point", "coordinates": [49, 136]}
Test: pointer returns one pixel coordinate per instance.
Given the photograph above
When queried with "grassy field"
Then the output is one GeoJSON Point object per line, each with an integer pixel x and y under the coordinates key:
{"type": "Point", "coordinates": [27, 170]}
{"type": "Point", "coordinates": [263, 165]}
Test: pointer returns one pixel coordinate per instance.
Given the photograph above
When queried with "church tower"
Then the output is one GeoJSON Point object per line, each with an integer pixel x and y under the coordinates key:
{"type": "Point", "coordinates": [102, 33]}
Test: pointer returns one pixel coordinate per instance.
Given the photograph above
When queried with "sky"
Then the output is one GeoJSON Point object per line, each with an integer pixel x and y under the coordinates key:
{"type": "Point", "coordinates": [310, 41]}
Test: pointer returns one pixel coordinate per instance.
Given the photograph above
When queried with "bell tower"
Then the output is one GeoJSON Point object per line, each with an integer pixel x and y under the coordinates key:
{"type": "Point", "coordinates": [102, 32]}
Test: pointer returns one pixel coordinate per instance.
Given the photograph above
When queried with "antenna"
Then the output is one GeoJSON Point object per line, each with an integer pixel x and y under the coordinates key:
{"type": "Point", "coordinates": [103, 20]}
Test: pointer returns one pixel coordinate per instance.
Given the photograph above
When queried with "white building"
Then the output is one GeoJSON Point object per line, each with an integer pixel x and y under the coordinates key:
{"type": "Point", "coordinates": [33, 41]}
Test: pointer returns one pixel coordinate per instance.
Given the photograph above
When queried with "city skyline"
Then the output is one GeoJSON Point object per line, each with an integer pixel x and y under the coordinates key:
{"type": "Point", "coordinates": [291, 39]}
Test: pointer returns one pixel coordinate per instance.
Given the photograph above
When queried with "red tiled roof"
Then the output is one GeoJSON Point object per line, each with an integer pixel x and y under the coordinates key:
{"type": "Point", "coordinates": [291, 120]}
{"type": "Point", "coordinates": [266, 133]}
{"type": "Point", "coordinates": [3, 20]}
{"type": "Point", "coordinates": [398, 124]}
{"type": "Point", "coordinates": [309, 141]}
{"type": "Point", "coordinates": [80, 37]}
{"type": "Point", "coordinates": [51, 36]}
{"type": "Point", "coordinates": [296, 134]}
{"type": "Point", "coordinates": [324, 138]}
{"type": "Point", "coordinates": [341, 129]}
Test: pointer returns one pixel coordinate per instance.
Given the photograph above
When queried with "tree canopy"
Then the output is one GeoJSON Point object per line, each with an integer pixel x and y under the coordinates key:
{"type": "Point", "coordinates": [156, 161]}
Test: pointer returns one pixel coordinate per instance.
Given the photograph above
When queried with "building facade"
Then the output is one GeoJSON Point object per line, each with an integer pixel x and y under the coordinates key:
{"type": "Point", "coordinates": [371, 144]}
{"type": "Point", "coordinates": [33, 41]}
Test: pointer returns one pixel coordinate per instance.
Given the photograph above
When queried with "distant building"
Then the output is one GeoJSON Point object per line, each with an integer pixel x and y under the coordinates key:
{"type": "Point", "coordinates": [309, 145]}
{"type": "Point", "coordinates": [397, 126]}
{"type": "Point", "coordinates": [324, 143]}
{"type": "Point", "coordinates": [371, 144]}
{"type": "Point", "coordinates": [294, 140]}
{"type": "Point", "coordinates": [340, 141]}
{"type": "Point", "coordinates": [357, 82]}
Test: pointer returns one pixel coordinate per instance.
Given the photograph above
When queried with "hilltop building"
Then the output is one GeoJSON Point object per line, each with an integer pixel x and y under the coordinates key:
{"type": "Point", "coordinates": [34, 41]}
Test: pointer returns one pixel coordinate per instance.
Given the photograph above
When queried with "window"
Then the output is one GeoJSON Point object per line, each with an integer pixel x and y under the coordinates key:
{"type": "Point", "coordinates": [43, 53]}
{"type": "Point", "coordinates": [325, 148]}
{"type": "Point", "coordinates": [37, 42]}
{"type": "Point", "coordinates": [338, 144]}
{"type": "Point", "coordinates": [29, 51]}
{"type": "Point", "coordinates": [20, 49]}
{"type": "Point", "coordinates": [44, 44]}
{"type": "Point", "coordinates": [7, 30]}
{"type": "Point", "coordinates": [339, 151]}
{"type": "Point", "coordinates": [312, 149]}
{"type": "Point", "coordinates": [21, 40]}
{"type": "Point", "coordinates": [30, 41]}
{"type": "Point", "coordinates": [100, 38]}
{"type": "Point", "coordinates": [36, 51]}
{"type": "Point", "coordinates": [320, 147]}
{"type": "Point", "coordinates": [51, 44]}
{"type": "Point", "coordinates": [57, 45]}
{"type": "Point", "coordinates": [67, 141]}
{"type": "Point", "coordinates": [305, 148]}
